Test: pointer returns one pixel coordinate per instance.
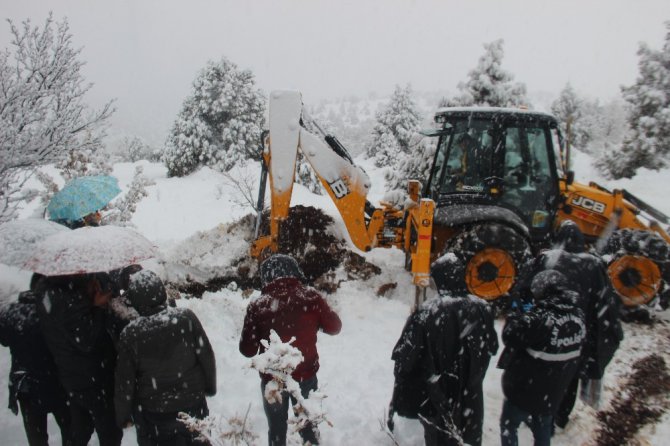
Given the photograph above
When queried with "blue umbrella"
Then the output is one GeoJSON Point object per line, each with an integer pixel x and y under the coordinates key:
{"type": "Point", "coordinates": [82, 196]}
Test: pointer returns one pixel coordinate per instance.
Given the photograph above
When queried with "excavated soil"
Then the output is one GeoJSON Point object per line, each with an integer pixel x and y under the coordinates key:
{"type": "Point", "coordinates": [306, 236]}
{"type": "Point", "coordinates": [642, 400]}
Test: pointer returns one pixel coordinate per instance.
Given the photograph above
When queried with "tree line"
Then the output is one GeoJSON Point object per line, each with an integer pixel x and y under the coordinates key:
{"type": "Point", "coordinates": [44, 118]}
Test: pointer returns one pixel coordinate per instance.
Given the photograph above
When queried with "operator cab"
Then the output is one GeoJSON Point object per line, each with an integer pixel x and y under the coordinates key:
{"type": "Point", "coordinates": [498, 157]}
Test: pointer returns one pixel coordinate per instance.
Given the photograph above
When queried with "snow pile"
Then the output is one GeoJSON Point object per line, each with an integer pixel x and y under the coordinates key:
{"type": "Point", "coordinates": [213, 253]}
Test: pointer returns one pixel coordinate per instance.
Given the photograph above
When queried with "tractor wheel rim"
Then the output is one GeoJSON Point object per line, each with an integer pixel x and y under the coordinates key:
{"type": "Point", "coordinates": [636, 279]}
{"type": "Point", "coordinates": [490, 273]}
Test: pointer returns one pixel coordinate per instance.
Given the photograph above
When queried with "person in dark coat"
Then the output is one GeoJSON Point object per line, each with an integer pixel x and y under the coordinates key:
{"type": "Point", "coordinates": [441, 359]}
{"type": "Point", "coordinates": [166, 365]}
{"type": "Point", "coordinates": [73, 319]}
{"type": "Point", "coordinates": [541, 357]}
{"type": "Point", "coordinates": [586, 274]}
{"type": "Point", "coordinates": [33, 378]}
{"type": "Point", "coordinates": [292, 311]}
{"type": "Point", "coordinates": [92, 219]}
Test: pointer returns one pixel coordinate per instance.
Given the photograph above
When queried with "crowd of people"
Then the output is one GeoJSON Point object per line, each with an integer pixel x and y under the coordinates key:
{"type": "Point", "coordinates": [94, 370]}
{"type": "Point", "coordinates": [562, 329]}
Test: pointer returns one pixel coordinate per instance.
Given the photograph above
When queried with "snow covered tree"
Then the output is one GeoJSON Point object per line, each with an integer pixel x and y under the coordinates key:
{"type": "Point", "coordinates": [415, 166]}
{"type": "Point", "coordinates": [569, 109]}
{"type": "Point", "coordinates": [647, 143]}
{"type": "Point", "coordinates": [278, 361]}
{"type": "Point", "coordinates": [84, 162]}
{"type": "Point", "coordinates": [220, 122]}
{"type": "Point", "coordinates": [43, 116]}
{"type": "Point", "coordinates": [136, 149]}
{"type": "Point", "coordinates": [488, 84]}
{"type": "Point", "coordinates": [304, 174]}
{"type": "Point", "coordinates": [120, 212]}
{"type": "Point", "coordinates": [396, 128]}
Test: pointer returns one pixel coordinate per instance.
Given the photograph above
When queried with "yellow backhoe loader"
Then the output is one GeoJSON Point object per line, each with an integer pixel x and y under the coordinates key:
{"type": "Point", "coordinates": [498, 189]}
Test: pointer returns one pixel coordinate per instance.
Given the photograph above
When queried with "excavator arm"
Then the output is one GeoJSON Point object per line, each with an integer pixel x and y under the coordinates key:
{"type": "Point", "coordinates": [346, 184]}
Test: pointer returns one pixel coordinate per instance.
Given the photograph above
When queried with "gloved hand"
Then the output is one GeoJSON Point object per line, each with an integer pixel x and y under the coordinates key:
{"type": "Point", "coordinates": [526, 307]}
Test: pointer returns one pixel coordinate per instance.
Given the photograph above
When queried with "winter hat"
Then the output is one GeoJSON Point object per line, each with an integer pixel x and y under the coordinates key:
{"type": "Point", "coordinates": [548, 282]}
{"type": "Point", "coordinates": [145, 291]}
{"type": "Point", "coordinates": [570, 237]}
{"type": "Point", "coordinates": [278, 266]}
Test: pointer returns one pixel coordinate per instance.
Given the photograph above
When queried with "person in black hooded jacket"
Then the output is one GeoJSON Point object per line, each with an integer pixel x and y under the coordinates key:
{"type": "Point", "coordinates": [541, 357]}
{"type": "Point", "coordinates": [440, 362]}
{"type": "Point", "coordinates": [73, 316]}
{"type": "Point", "coordinates": [165, 366]}
{"type": "Point", "coordinates": [33, 378]}
{"type": "Point", "coordinates": [587, 275]}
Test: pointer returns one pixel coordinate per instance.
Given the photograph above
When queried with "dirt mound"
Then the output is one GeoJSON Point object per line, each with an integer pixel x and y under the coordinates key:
{"type": "Point", "coordinates": [305, 235]}
{"type": "Point", "coordinates": [643, 399]}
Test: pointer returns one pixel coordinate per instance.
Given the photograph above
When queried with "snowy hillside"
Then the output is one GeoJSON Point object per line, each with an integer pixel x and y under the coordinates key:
{"type": "Point", "coordinates": [187, 218]}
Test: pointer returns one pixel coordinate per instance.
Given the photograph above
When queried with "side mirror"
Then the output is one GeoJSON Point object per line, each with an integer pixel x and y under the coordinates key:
{"type": "Point", "coordinates": [570, 177]}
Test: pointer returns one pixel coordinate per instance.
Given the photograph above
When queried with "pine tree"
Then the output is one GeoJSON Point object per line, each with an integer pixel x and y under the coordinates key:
{"type": "Point", "coordinates": [647, 143]}
{"type": "Point", "coordinates": [397, 125]}
{"type": "Point", "coordinates": [415, 166]}
{"type": "Point", "coordinates": [569, 110]}
{"type": "Point", "coordinates": [219, 124]}
{"type": "Point", "coordinates": [488, 84]}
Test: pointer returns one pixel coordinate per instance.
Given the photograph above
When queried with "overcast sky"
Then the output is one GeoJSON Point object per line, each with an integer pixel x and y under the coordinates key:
{"type": "Point", "coordinates": [146, 53]}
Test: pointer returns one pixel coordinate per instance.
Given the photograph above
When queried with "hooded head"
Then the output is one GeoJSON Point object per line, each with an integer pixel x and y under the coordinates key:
{"type": "Point", "coordinates": [570, 237]}
{"type": "Point", "coordinates": [446, 273]}
{"type": "Point", "coordinates": [547, 284]}
{"type": "Point", "coordinates": [146, 292]}
{"type": "Point", "coordinates": [278, 266]}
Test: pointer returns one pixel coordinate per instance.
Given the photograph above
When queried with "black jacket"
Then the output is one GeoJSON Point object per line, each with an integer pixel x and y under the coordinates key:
{"type": "Point", "coordinates": [33, 373]}
{"type": "Point", "coordinates": [587, 275]}
{"type": "Point", "coordinates": [165, 364]}
{"type": "Point", "coordinates": [542, 352]}
{"type": "Point", "coordinates": [75, 332]}
{"type": "Point", "coordinates": [441, 359]}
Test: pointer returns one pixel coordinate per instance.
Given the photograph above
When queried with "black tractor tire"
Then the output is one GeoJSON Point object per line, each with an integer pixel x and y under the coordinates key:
{"type": "Point", "coordinates": [628, 280]}
{"type": "Point", "coordinates": [486, 260]}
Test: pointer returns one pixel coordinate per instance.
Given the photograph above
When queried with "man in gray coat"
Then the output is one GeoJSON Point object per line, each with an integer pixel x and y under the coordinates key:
{"type": "Point", "coordinates": [165, 366]}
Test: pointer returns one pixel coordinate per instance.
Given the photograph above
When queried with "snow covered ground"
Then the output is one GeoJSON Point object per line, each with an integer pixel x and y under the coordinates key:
{"type": "Point", "coordinates": [356, 370]}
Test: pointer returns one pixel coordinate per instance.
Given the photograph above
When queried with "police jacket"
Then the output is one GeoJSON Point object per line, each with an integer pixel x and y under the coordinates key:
{"type": "Point", "coordinates": [542, 351]}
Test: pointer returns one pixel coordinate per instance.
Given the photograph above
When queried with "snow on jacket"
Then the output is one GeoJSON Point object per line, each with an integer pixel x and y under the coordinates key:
{"type": "Point", "coordinates": [440, 362]}
{"type": "Point", "coordinates": [586, 273]}
{"type": "Point", "coordinates": [542, 351]}
{"type": "Point", "coordinates": [33, 373]}
{"type": "Point", "coordinates": [75, 332]}
{"type": "Point", "coordinates": [292, 310]}
{"type": "Point", "coordinates": [165, 364]}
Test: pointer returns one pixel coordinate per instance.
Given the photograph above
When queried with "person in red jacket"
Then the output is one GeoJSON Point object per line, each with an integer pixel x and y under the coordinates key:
{"type": "Point", "coordinates": [292, 310]}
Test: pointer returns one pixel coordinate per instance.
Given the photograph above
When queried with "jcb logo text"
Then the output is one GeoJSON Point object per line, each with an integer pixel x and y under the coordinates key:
{"type": "Point", "coordinates": [339, 188]}
{"type": "Point", "coordinates": [587, 203]}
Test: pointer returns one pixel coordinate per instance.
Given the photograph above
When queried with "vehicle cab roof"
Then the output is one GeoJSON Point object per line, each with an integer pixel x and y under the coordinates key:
{"type": "Point", "coordinates": [494, 113]}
